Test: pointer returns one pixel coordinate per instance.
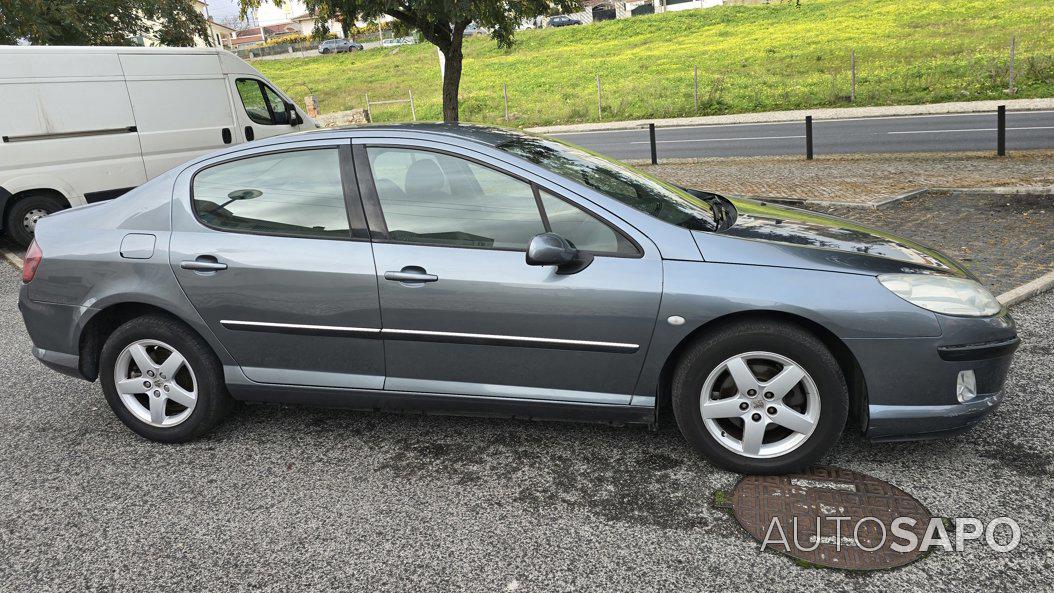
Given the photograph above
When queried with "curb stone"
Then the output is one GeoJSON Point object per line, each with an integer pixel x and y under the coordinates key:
{"type": "Point", "coordinates": [1027, 290]}
{"type": "Point", "coordinates": [12, 259]}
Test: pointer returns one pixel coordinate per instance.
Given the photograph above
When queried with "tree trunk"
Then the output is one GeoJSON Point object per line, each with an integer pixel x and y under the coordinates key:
{"type": "Point", "coordinates": [452, 80]}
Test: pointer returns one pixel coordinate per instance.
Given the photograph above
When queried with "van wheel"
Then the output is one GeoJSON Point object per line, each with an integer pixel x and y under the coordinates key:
{"type": "Point", "coordinates": [760, 397]}
{"type": "Point", "coordinates": [162, 380]}
{"type": "Point", "coordinates": [23, 215]}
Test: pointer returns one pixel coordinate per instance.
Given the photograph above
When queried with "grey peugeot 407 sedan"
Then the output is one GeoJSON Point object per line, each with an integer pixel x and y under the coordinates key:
{"type": "Point", "coordinates": [484, 271]}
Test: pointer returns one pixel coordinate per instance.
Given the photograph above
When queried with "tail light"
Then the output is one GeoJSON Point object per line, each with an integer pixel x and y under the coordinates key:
{"type": "Point", "coordinates": [31, 262]}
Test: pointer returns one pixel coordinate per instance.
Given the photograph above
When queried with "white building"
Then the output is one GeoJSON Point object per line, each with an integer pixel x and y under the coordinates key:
{"type": "Point", "coordinates": [219, 35]}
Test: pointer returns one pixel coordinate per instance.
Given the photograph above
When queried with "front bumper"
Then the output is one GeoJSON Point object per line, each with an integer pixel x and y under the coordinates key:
{"type": "Point", "coordinates": [911, 383]}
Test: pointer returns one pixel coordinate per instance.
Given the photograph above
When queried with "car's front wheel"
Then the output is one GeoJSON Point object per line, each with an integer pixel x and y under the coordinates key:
{"type": "Point", "coordinates": [760, 397]}
{"type": "Point", "coordinates": [162, 380]}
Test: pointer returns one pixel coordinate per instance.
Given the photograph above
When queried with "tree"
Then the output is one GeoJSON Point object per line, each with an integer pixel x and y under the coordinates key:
{"type": "Point", "coordinates": [441, 22]}
{"type": "Point", "coordinates": [100, 22]}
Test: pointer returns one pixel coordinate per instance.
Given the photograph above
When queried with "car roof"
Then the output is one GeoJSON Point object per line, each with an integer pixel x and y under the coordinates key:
{"type": "Point", "coordinates": [481, 134]}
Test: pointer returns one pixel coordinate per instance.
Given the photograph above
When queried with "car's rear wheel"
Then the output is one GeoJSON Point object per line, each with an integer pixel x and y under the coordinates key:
{"type": "Point", "coordinates": [760, 397]}
{"type": "Point", "coordinates": [162, 380]}
{"type": "Point", "coordinates": [23, 215]}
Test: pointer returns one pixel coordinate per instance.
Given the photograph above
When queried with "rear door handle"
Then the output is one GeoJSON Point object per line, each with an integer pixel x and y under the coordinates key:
{"type": "Point", "coordinates": [410, 274]}
{"type": "Point", "coordinates": [204, 263]}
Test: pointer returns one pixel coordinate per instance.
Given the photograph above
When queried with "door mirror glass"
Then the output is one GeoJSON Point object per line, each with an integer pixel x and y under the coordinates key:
{"type": "Point", "coordinates": [550, 249]}
{"type": "Point", "coordinates": [294, 116]}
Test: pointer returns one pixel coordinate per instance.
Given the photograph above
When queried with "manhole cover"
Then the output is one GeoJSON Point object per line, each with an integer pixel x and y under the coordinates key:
{"type": "Point", "coordinates": [798, 515]}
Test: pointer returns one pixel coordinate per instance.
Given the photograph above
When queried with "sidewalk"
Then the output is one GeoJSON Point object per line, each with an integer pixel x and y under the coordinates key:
{"type": "Point", "coordinates": [861, 179]}
{"type": "Point", "coordinates": [799, 115]}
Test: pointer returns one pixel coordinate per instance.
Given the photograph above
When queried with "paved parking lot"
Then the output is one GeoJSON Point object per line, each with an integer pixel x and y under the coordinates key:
{"type": "Point", "coordinates": [302, 500]}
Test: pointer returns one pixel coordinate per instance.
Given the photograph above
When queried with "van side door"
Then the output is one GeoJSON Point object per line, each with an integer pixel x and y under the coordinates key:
{"type": "Point", "coordinates": [181, 107]}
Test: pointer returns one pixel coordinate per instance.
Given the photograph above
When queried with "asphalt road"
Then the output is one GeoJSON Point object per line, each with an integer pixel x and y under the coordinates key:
{"type": "Point", "coordinates": [956, 132]}
{"type": "Point", "coordinates": [283, 499]}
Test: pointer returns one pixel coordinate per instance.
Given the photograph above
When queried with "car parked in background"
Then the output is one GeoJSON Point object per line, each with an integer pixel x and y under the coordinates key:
{"type": "Point", "coordinates": [396, 41]}
{"type": "Point", "coordinates": [86, 124]}
{"type": "Point", "coordinates": [561, 20]}
{"type": "Point", "coordinates": [336, 46]}
{"type": "Point", "coordinates": [483, 270]}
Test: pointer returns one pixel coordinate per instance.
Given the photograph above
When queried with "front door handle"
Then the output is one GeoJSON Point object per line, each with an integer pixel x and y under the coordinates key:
{"type": "Point", "coordinates": [204, 263]}
{"type": "Point", "coordinates": [411, 274]}
{"type": "Point", "coordinates": [249, 134]}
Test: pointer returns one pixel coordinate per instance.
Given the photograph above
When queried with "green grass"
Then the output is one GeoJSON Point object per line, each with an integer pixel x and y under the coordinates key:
{"type": "Point", "coordinates": [750, 58]}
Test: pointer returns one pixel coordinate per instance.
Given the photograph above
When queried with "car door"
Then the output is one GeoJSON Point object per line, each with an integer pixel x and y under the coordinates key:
{"type": "Point", "coordinates": [271, 249]}
{"type": "Point", "coordinates": [463, 312]}
{"type": "Point", "coordinates": [260, 110]}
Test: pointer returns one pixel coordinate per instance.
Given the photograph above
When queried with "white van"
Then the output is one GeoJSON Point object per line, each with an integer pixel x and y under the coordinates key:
{"type": "Point", "coordinates": [84, 124]}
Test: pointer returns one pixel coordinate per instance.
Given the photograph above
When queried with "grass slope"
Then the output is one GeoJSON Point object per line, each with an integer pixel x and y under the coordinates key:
{"type": "Point", "coordinates": [750, 58]}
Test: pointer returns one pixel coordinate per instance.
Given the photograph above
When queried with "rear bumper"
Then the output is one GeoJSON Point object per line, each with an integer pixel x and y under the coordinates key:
{"type": "Point", "coordinates": [67, 364]}
{"type": "Point", "coordinates": [54, 331]}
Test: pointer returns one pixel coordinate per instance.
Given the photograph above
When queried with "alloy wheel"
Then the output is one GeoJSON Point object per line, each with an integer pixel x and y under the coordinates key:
{"type": "Point", "coordinates": [760, 404]}
{"type": "Point", "coordinates": [155, 383]}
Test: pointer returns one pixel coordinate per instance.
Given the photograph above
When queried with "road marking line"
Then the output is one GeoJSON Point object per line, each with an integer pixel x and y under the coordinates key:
{"type": "Point", "coordinates": [713, 139]}
{"type": "Point", "coordinates": [972, 130]}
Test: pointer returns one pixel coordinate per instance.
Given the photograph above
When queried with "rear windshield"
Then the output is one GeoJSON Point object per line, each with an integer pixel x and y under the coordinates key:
{"type": "Point", "coordinates": [615, 180]}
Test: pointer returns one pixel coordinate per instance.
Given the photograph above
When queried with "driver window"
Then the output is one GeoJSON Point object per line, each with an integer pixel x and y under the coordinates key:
{"type": "Point", "coordinates": [438, 199]}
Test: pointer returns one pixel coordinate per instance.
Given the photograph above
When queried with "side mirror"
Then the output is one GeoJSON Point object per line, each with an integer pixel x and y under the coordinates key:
{"type": "Point", "coordinates": [287, 116]}
{"type": "Point", "coordinates": [294, 115]}
{"type": "Point", "coordinates": [550, 249]}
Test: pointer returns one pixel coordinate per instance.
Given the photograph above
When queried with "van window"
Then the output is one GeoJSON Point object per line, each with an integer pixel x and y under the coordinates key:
{"type": "Point", "coordinates": [261, 102]}
{"type": "Point", "coordinates": [296, 193]}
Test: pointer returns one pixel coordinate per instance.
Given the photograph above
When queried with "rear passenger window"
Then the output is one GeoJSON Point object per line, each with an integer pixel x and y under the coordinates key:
{"type": "Point", "coordinates": [296, 193]}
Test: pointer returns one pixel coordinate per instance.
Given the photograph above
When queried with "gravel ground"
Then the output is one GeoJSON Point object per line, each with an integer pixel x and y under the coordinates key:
{"type": "Point", "coordinates": [1006, 240]}
{"type": "Point", "coordinates": [305, 500]}
{"type": "Point", "coordinates": [860, 178]}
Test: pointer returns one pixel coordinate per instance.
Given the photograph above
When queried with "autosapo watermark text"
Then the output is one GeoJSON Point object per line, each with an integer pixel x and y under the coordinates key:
{"type": "Point", "coordinates": [870, 534]}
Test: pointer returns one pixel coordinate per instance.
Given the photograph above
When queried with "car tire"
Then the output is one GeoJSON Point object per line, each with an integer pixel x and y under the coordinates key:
{"type": "Point", "coordinates": [23, 215]}
{"type": "Point", "coordinates": [201, 375]}
{"type": "Point", "coordinates": [817, 404]}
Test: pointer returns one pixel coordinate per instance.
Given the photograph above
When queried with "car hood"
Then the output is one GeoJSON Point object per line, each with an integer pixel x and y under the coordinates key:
{"type": "Point", "coordinates": [827, 241]}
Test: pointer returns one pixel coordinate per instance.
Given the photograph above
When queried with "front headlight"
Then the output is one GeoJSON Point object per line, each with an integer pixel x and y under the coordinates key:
{"type": "Point", "coordinates": [943, 294]}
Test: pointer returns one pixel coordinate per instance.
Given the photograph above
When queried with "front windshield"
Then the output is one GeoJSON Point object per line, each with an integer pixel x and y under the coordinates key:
{"type": "Point", "coordinates": [627, 185]}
